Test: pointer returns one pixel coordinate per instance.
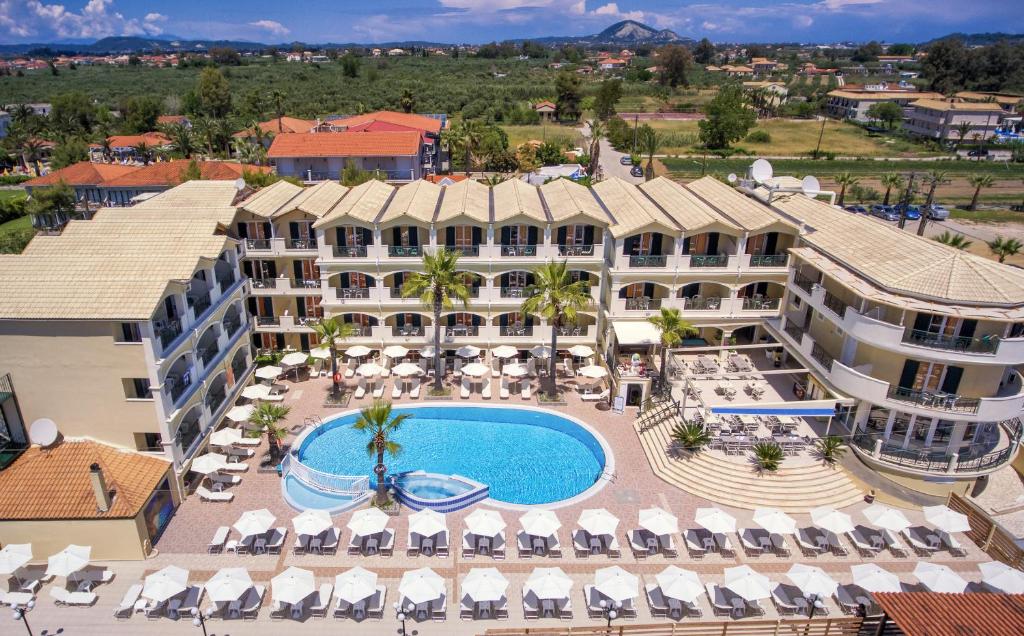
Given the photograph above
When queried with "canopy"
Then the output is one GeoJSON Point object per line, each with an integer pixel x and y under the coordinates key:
{"type": "Point", "coordinates": [427, 522]}
{"type": "Point", "coordinates": [485, 523]}
{"type": "Point", "coordinates": [209, 463]}
{"type": "Point", "coordinates": [428, 352]}
{"type": "Point", "coordinates": [581, 351]}
{"type": "Point", "coordinates": [639, 332]}
{"type": "Point", "coordinates": [294, 359]}
{"type": "Point", "coordinates": [165, 583]}
{"type": "Point", "coordinates": [475, 369]}
{"type": "Point", "coordinates": [593, 371]}
{"type": "Point", "coordinates": [541, 351]}
{"type": "Point", "coordinates": [292, 585]}
{"type": "Point", "coordinates": [939, 578]}
{"type": "Point", "coordinates": [406, 369]}
{"type": "Point", "coordinates": [228, 584]}
{"type": "Point", "coordinates": [395, 351]}
{"type": "Point", "coordinates": [747, 583]}
{"type": "Point", "coordinates": [255, 392]}
{"type": "Point", "coordinates": [831, 519]}
{"type": "Point", "coordinates": [945, 519]}
{"type": "Point", "coordinates": [358, 351]}
{"type": "Point", "coordinates": [598, 521]}
{"type": "Point", "coordinates": [321, 353]}
{"type": "Point", "coordinates": [875, 579]}
{"type": "Point", "coordinates": [616, 583]}
{"type": "Point", "coordinates": [540, 523]}
{"type": "Point", "coordinates": [224, 437]}
{"type": "Point", "coordinates": [69, 560]}
{"type": "Point", "coordinates": [514, 370]}
{"type": "Point", "coordinates": [255, 522]}
{"type": "Point", "coordinates": [812, 580]}
{"type": "Point", "coordinates": [467, 351]}
{"type": "Point", "coordinates": [1002, 577]}
{"type": "Point", "coordinates": [421, 586]}
{"type": "Point", "coordinates": [369, 369]}
{"type": "Point", "coordinates": [658, 521]}
{"type": "Point", "coordinates": [774, 521]}
{"type": "Point", "coordinates": [13, 556]}
{"type": "Point", "coordinates": [368, 521]}
{"type": "Point", "coordinates": [681, 584]}
{"type": "Point", "coordinates": [715, 520]}
{"type": "Point", "coordinates": [355, 585]}
{"type": "Point", "coordinates": [484, 584]}
{"type": "Point", "coordinates": [504, 351]}
{"type": "Point", "coordinates": [886, 518]}
{"type": "Point", "coordinates": [549, 583]}
{"type": "Point", "coordinates": [312, 522]}
{"type": "Point", "coordinates": [269, 373]}
{"type": "Point", "coordinates": [242, 413]}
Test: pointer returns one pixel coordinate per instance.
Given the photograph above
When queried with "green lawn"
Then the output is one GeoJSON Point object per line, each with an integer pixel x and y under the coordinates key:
{"type": "Point", "coordinates": [686, 168]}
{"type": "Point", "coordinates": [565, 136]}
{"type": "Point", "coordinates": [988, 216]}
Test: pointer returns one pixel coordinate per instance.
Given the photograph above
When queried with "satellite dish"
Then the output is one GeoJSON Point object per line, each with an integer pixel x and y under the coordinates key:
{"type": "Point", "coordinates": [239, 183]}
{"type": "Point", "coordinates": [43, 432]}
{"type": "Point", "coordinates": [810, 185]}
{"type": "Point", "coordinates": [761, 170]}
{"type": "Point", "coordinates": [732, 177]}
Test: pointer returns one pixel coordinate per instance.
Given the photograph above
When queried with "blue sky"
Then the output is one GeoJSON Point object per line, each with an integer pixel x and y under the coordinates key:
{"type": "Point", "coordinates": [484, 20]}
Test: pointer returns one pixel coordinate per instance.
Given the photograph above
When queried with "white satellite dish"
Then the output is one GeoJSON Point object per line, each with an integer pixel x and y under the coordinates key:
{"type": "Point", "coordinates": [810, 185]}
{"type": "Point", "coordinates": [761, 170]}
{"type": "Point", "coordinates": [732, 177]}
{"type": "Point", "coordinates": [43, 432]}
{"type": "Point", "coordinates": [239, 183]}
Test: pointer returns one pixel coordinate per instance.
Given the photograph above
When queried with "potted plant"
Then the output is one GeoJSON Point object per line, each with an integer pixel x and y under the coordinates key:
{"type": "Point", "coordinates": [830, 448]}
{"type": "Point", "coordinates": [689, 436]}
{"type": "Point", "coordinates": [767, 456]}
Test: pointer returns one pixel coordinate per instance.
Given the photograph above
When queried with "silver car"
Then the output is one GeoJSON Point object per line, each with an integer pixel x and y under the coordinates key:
{"type": "Point", "coordinates": [937, 212]}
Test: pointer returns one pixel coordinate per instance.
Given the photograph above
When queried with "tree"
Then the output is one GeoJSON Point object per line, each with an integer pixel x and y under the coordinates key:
{"type": "Point", "coordinates": [70, 151]}
{"type": "Point", "coordinates": [31, 148]}
{"type": "Point", "coordinates": [453, 138]}
{"type": "Point", "coordinates": [213, 93]}
{"type": "Point", "coordinates": [890, 180]}
{"type": "Point", "coordinates": [946, 65]}
{"type": "Point", "coordinates": [934, 178]}
{"type": "Point", "coordinates": [182, 139]}
{"type": "Point", "coordinates": [557, 298]}
{"type": "Point", "coordinates": [277, 97]}
{"type": "Point", "coordinates": [407, 101]}
{"type": "Point", "coordinates": [673, 331]}
{"type": "Point", "coordinates": [50, 200]}
{"type": "Point", "coordinates": [648, 142]}
{"type": "Point", "coordinates": [265, 418]}
{"type": "Point", "coordinates": [728, 118]}
{"type": "Point", "coordinates": [192, 172]}
{"type": "Point", "coordinates": [962, 130]}
{"type": "Point", "coordinates": [330, 331]}
{"type": "Point", "coordinates": [1003, 248]}
{"type": "Point", "coordinates": [704, 53]}
{"type": "Point", "coordinates": [597, 132]}
{"type": "Point", "coordinates": [143, 152]}
{"type": "Point", "coordinates": [567, 100]}
{"type": "Point", "coordinates": [438, 286]}
{"type": "Point", "coordinates": [958, 241]}
{"type": "Point", "coordinates": [675, 61]}
{"type": "Point", "coordinates": [845, 180]}
{"type": "Point", "coordinates": [352, 175]}
{"type": "Point", "coordinates": [979, 181]}
{"type": "Point", "coordinates": [888, 113]}
{"type": "Point", "coordinates": [608, 94]}
{"type": "Point", "coordinates": [73, 113]}
{"type": "Point", "coordinates": [379, 421]}
{"type": "Point", "coordinates": [225, 56]}
{"type": "Point", "coordinates": [350, 65]}
{"type": "Point", "coordinates": [867, 53]}
{"type": "Point", "coordinates": [139, 114]}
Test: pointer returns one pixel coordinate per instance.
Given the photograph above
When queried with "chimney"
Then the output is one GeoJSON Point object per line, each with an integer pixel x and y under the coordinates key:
{"type": "Point", "coordinates": [99, 488]}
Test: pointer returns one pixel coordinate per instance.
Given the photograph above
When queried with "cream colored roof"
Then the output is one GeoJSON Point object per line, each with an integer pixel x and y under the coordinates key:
{"type": "Point", "coordinates": [879, 95]}
{"type": "Point", "coordinates": [468, 198]}
{"type": "Point", "coordinates": [271, 199]}
{"type": "Point", "coordinates": [946, 105]}
{"type": "Point", "coordinates": [114, 267]}
{"type": "Point", "coordinates": [194, 194]}
{"type": "Point", "coordinates": [513, 198]}
{"type": "Point", "coordinates": [631, 209]}
{"type": "Point", "coordinates": [566, 200]}
{"type": "Point", "coordinates": [317, 200]}
{"type": "Point", "coordinates": [685, 207]}
{"type": "Point", "coordinates": [741, 210]}
{"type": "Point", "coordinates": [416, 201]}
{"type": "Point", "coordinates": [362, 203]}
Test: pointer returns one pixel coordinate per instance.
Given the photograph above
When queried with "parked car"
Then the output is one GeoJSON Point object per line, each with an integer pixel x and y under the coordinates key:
{"type": "Point", "coordinates": [937, 212]}
{"type": "Point", "coordinates": [856, 209]}
{"type": "Point", "coordinates": [637, 171]}
{"type": "Point", "coordinates": [626, 160]}
{"type": "Point", "coordinates": [977, 152]}
{"type": "Point", "coordinates": [913, 212]}
{"type": "Point", "coordinates": [884, 212]}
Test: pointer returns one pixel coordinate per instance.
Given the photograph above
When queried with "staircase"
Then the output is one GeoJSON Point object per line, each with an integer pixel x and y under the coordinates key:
{"type": "Point", "coordinates": [730, 483]}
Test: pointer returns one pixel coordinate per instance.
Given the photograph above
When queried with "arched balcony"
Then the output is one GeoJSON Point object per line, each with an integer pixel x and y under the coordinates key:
{"type": "Point", "coordinates": [514, 284]}
{"type": "Point", "coordinates": [363, 323]}
{"type": "Point", "coordinates": [189, 429]}
{"type": "Point", "coordinates": [351, 287]}
{"type": "Point", "coordinates": [648, 249]}
{"type": "Point", "coordinates": [576, 239]}
{"type": "Point", "coordinates": [459, 324]}
{"type": "Point", "coordinates": [167, 321]}
{"type": "Point", "coordinates": [518, 240]}
{"type": "Point", "coordinates": [239, 364]}
{"type": "Point", "coordinates": [405, 241]}
{"type": "Point", "coordinates": [761, 296]}
{"type": "Point", "coordinates": [703, 296]}
{"type": "Point", "coordinates": [709, 250]}
{"type": "Point", "coordinates": [180, 377]}
{"type": "Point", "coordinates": [409, 324]}
{"type": "Point", "coordinates": [641, 296]}
{"type": "Point", "coordinates": [769, 249]}
{"type": "Point", "coordinates": [208, 346]}
{"type": "Point", "coordinates": [225, 271]}
{"type": "Point", "coordinates": [348, 241]}
{"type": "Point", "coordinates": [464, 239]}
{"type": "Point", "coordinates": [515, 324]}
{"type": "Point", "coordinates": [234, 318]}
{"type": "Point", "coordinates": [216, 393]}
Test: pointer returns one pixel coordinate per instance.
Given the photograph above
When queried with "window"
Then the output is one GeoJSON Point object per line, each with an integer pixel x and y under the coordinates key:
{"type": "Point", "coordinates": [137, 389]}
{"type": "Point", "coordinates": [129, 332]}
{"type": "Point", "coordinates": [150, 442]}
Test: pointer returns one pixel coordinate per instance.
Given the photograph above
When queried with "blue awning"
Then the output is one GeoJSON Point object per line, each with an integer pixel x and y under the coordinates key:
{"type": "Point", "coordinates": [770, 410]}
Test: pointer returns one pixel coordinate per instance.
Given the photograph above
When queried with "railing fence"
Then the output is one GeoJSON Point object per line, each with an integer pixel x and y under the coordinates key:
{"type": "Point", "coordinates": [838, 626]}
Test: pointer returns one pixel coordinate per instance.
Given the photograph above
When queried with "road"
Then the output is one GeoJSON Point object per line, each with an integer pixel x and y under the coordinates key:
{"type": "Point", "coordinates": [609, 161]}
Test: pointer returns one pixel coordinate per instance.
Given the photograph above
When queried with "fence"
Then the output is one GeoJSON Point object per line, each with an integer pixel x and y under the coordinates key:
{"type": "Point", "coordinates": [839, 626]}
{"type": "Point", "coordinates": [987, 534]}
{"type": "Point", "coordinates": [328, 482]}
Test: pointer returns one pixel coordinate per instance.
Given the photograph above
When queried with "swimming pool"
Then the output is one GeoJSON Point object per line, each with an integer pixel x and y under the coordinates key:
{"type": "Point", "coordinates": [523, 455]}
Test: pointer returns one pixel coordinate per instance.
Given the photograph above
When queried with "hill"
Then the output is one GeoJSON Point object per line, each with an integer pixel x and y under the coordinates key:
{"type": "Point", "coordinates": [635, 32]}
{"type": "Point", "coordinates": [980, 39]}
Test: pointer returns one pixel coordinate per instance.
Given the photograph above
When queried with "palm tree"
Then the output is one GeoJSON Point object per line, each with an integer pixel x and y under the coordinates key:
{"type": "Point", "coordinates": [330, 330]}
{"type": "Point", "coordinates": [438, 285]}
{"type": "Point", "coordinates": [31, 148]}
{"type": "Point", "coordinates": [557, 298]}
{"type": "Point", "coordinates": [673, 330]}
{"type": "Point", "coordinates": [182, 140]}
{"type": "Point", "coordinates": [933, 179]}
{"type": "Point", "coordinates": [106, 148]}
{"type": "Point", "coordinates": [649, 142]}
{"type": "Point", "coordinates": [597, 131]}
{"type": "Point", "coordinates": [277, 97]}
{"type": "Point", "coordinates": [266, 417]}
{"type": "Point", "coordinates": [957, 241]}
{"type": "Point", "coordinates": [142, 151]}
{"type": "Point", "coordinates": [454, 139]}
{"type": "Point", "coordinates": [474, 131]}
{"type": "Point", "coordinates": [845, 180]}
{"type": "Point", "coordinates": [979, 181]}
{"type": "Point", "coordinates": [378, 420]}
{"type": "Point", "coordinates": [1005, 247]}
{"type": "Point", "coordinates": [891, 180]}
{"type": "Point", "coordinates": [962, 130]}
{"type": "Point", "coordinates": [407, 101]}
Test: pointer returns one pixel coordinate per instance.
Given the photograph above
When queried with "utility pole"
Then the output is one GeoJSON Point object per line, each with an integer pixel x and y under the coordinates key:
{"type": "Point", "coordinates": [905, 200]}
{"type": "Point", "coordinates": [817, 149]}
{"type": "Point", "coordinates": [636, 122]}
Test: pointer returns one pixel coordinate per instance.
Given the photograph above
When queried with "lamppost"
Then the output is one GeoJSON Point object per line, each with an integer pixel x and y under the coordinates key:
{"type": "Point", "coordinates": [610, 611]}
{"type": "Point", "coordinates": [816, 604]}
{"type": "Point", "coordinates": [402, 614]}
{"type": "Point", "coordinates": [19, 615]}
{"type": "Point", "coordinates": [199, 618]}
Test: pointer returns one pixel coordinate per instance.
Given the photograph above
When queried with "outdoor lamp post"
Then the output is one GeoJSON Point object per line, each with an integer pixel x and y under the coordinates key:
{"type": "Point", "coordinates": [199, 618]}
{"type": "Point", "coordinates": [610, 610]}
{"type": "Point", "coordinates": [816, 604]}
{"type": "Point", "coordinates": [401, 614]}
{"type": "Point", "coordinates": [19, 614]}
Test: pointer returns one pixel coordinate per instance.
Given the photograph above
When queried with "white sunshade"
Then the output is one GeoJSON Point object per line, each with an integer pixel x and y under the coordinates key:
{"type": "Point", "coordinates": [658, 521]}
{"type": "Point", "coordinates": [540, 523]}
{"type": "Point", "coordinates": [427, 522]}
{"type": "Point", "coordinates": [312, 522]}
{"type": "Point", "coordinates": [475, 369]}
{"type": "Point", "coordinates": [939, 578]}
{"type": "Point", "coordinates": [678, 583]}
{"type": "Point", "coordinates": [69, 560]}
{"type": "Point", "coordinates": [428, 352]}
{"type": "Point", "coordinates": [13, 556]}
{"type": "Point", "coordinates": [541, 351]}
{"type": "Point", "coordinates": [598, 521]}
{"type": "Point", "coordinates": [421, 586]}
{"type": "Point", "coordinates": [406, 369]}
{"type": "Point", "coordinates": [593, 371]}
{"type": "Point", "coordinates": [209, 463]}
{"type": "Point", "coordinates": [395, 351]}
{"type": "Point", "coordinates": [514, 370]}
{"type": "Point", "coordinates": [485, 523]}
{"type": "Point", "coordinates": [875, 579]}
{"type": "Point", "coordinates": [223, 437]}
{"type": "Point", "coordinates": [774, 521]}
{"type": "Point", "coordinates": [269, 373]}
{"type": "Point", "coordinates": [294, 359]}
{"type": "Point", "coordinates": [747, 583]}
{"type": "Point", "coordinates": [831, 519]}
{"type": "Point", "coordinates": [549, 583]}
{"type": "Point", "coordinates": [369, 369]}
{"type": "Point", "coordinates": [812, 580]}
{"type": "Point", "coordinates": [484, 584]}
{"type": "Point", "coordinates": [358, 351]}
{"type": "Point", "coordinates": [165, 583]}
{"type": "Point", "coordinates": [355, 585]}
{"type": "Point", "coordinates": [1002, 577]}
{"type": "Point", "coordinates": [504, 351]}
{"type": "Point", "coordinates": [639, 332]}
{"type": "Point", "coordinates": [616, 583]}
{"type": "Point", "coordinates": [945, 519]}
{"type": "Point", "coordinates": [292, 585]}
{"type": "Point", "coordinates": [581, 351]}
{"type": "Point", "coordinates": [228, 584]}
{"type": "Point", "coordinates": [255, 392]}
{"type": "Point", "coordinates": [886, 518]}
{"type": "Point", "coordinates": [321, 353]}
{"type": "Point", "coordinates": [715, 520]}
{"type": "Point", "coordinates": [369, 521]}
{"type": "Point", "coordinates": [255, 522]}
{"type": "Point", "coordinates": [467, 351]}
{"type": "Point", "coordinates": [242, 413]}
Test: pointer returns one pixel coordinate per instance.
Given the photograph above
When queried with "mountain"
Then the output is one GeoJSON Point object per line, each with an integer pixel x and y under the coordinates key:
{"type": "Point", "coordinates": [980, 39]}
{"type": "Point", "coordinates": [635, 32]}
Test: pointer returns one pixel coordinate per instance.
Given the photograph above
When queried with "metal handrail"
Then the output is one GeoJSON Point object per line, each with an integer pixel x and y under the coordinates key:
{"type": "Point", "coordinates": [646, 260]}
{"type": "Point", "coordinates": [576, 250]}
{"type": "Point", "coordinates": [339, 484]}
{"type": "Point", "coordinates": [349, 251]}
{"type": "Point", "coordinates": [935, 400]}
{"type": "Point", "coordinates": [767, 260]}
{"type": "Point", "coordinates": [708, 260]}
{"type": "Point", "coordinates": [803, 282]}
{"type": "Point", "coordinates": [823, 358]}
{"type": "Point", "coordinates": [984, 344]}
{"type": "Point", "coordinates": [835, 304]}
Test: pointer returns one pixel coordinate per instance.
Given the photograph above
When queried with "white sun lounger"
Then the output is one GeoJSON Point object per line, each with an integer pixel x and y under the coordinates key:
{"type": "Point", "coordinates": [457, 368]}
{"type": "Point", "coordinates": [503, 391]}
{"type": "Point", "coordinates": [527, 388]}
{"type": "Point", "coordinates": [219, 539]}
{"type": "Point", "coordinates": [495, 368]}
{"type": "Point", "coordinates": [414, 388]}
{"type": "Point", "coordinates": [464, 393]}
{"type": "Point", "coordinates": [361, 389]}
{"type": "Point", "coordinates": [64, 597]}
{"type": "Point", "coordinates": [127, 606]}
{"type": "Point", "coordinates": [206, 495]}
{"type": "Point", "coordinates": [397, 391]}
{"type": "Point", "coordinates": [486, 392]}
{"type": "Point", "coordinates": [596, 397]}
{"type": "Point", "coordinates": [378, 390]}
{"type": "Point", "coordinates": [350, 371]}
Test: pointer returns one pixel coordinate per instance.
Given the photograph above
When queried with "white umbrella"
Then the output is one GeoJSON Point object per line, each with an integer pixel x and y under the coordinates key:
{"type": "Point", "coordinates": [69, 560]}
{"type": "Point", "coordinates": [428, 352]}
{"type": "Point", "coordinates": [254, 522]}
{"type": "Point", "coordinates": [658, 521]}
{"type": "Point", "coordinates": [678, 583]}
{"type": "Point", "coordinates": [226, 437]}
{"type": "Point", "coordinates": [369, 369]}
{"type": "Point", "coordinates": [945, 519]}
{"type": "Point", "coordinates": [467, 351]}
{"type": "Point", "coordinates": [427, 522]}
{"type": "Point", "coordinates": [209, 463]}
{"type": "Point", "coordinates": [13, 556]}
{"type": "Point", "coordinates": [406, 368]}
{"type": "Point", "coordinates": [581, 351]}
{"type": "Point", "coordinates": [292, 585]}
{"type": "Point", "coordinates": [484, 584]}
{"type": "Point", "coordinates": [715, 520]}
{"type": "Point", "coordinates": [255, 392]}
{"type": "Point", "coordinates": [593, 371]}
{"type": "Point", "coordinates": [475, 369]}
{"type": "Point", "coordinates": [939, 578]}
{"type": "Point", "coordinates": [540, 523]}
{"type": "Point", "coordinates": [355, 585]}
{"type": "Point", "coordinates": [598, 521]}
{"type": "Point", "coordinates": [485, 523]}
{"type": "Point", "coordinates": [421, 586]}
{"type": "Point", "coordinates": [369, 521]}
{"type": "Point", "coordinates": [504, 351]}
{"type": "Point", "coordinates": [268, 373]}
{"type": "Point", "coordinates": [616, 583]}
{"type": "Point", "coordinates": [774, 521]}
{"type": "Point", "coordinates": [312, 522]}
{"type": "Point", "coordinates": [747, 583]}
{"type": "Point", "coordinates": [549, 583]}
{"type": "Point", "coordinates": [875, 579]}
{"type": "Point", "coordinates": [812, 580]}
{"type": "Point", "coordinates": [541, 351]}
{"type": "Point", "coordinates": [228, 584]}
{"type": "Point", "coordinates": [514, 370]}
{"type": "Point", "coordinates": [241, 413]}
{"type": "Point", "coordinates": [1002, 577]}
{"type": "Point", "coordinates": [886, 518]}
{"type": "Point", "coordinates": [294, 359]}
{"type": "Point", "coordinates": [395, 351]}
{"type": "Point", "coordinates": [831, 519]}
{"type": "Point", "coordinates": [321, 353]}
{"type": "Point", "coordinates": [165, 583]}
{"type": "Point", "coordinates": [358, 351]}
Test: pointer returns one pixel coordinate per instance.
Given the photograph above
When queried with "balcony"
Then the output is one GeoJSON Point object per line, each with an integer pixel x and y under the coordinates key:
{"type": "Point", "coordinates": [803, 282]}
{"type": "Point", "coordinates": [208, 353]}
{"type": "Point", "coordinates": [263, 283]}
{"type": "Point", "coordinates": [471, 251]}
{"type": "Point", "coordinates": [642, 304]}
{"type": "Point", "coordinates": [767, 260]}
{"type": "Point", "coordinates": [984, 345]}
{"type": "Point", "coordinates": [215, 398]}
{"type": "Point", "coordinates": [224, 283]}
{"type": "Point", "coordinates": [168, 333]}
{"type": "Point", "coordinates": [641, 261]}
{"type": "Point", "coordinates": [948, 402]}
{"type": "Point", "coordinates": [821, 356]}
{"type": "Point", "coordinates": [348, 251]}
{"type": "Point", "coordinates": [760, 304]}
{"type": "Point", "coordinates": [231, 326]}
{"type": "Point", "coordinates": [302, 244]}
{"type": "Point", "coordinates": [458, 331]}
{"type": "Point", "coordinates": [199, 303]}
{"type": "Point", "coordinates": [834, 304]}
{"type": "Point", "coordinates": [405, 251]}
{"type": "Point", "coordinates": [257, 245]}
{"type": "Point", "coordinates": [575, 250]}
{"type": "Point", "coordinates": [698, 261]}
{"type": "Point", "coordinates": [178, 388]}
{"type": "Point", "coordinates": [514, 292]}
{"type": "Point", "coordinates": [515, 332]}
{"type": "Point", "coordinates": [519, 251]}
{"type": "Point", "coordinates": [794, 331]}
{"type": "Point", "coordinates": [268, 321]}
{"type": "Point", "coordinates": [702, 303]}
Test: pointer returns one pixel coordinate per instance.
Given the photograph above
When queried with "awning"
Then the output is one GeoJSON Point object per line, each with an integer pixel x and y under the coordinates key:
{"type": "Point", "coordinates": [638, 332]}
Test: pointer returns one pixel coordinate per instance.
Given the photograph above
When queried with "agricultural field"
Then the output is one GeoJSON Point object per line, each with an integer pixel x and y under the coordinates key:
{"type": "Point", "coordinates": [563, 136]}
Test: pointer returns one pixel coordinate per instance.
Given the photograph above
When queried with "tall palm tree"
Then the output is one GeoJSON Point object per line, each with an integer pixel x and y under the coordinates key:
{"type": "Point", "coordinates": [1005, 247]}
{"type": "Point", "coordinates": [958, 241]}
{"type": "Point", "coordinates": [934, 178]}
{"type": "Point", "coordinates": [673, 331]}
{"type": "Point", "coordinates": [277, 97]}
{"type": "Point", "coordinates": [649, 142]}
{"type": "Point", "coordinates": [979, 181]}
{"type": "Point", "coordinates": [845, 180]}
{"type": "Point", "coordinates": [890, 180]}
{"type": "Point", "coordinates": [454, 139]}
{"type": "Point", "coordinates": [407, 101]}
{"type": "Point", "coordinates": [474, 131]}
{"type": "Point", "coordinates": [378, 420]}
{"type": "Point", "coordinates": [142, 151]}
{"type": "Point", "coordinates": [438, 286]}
{"type": "Point", "coordinates": [266, 417]}
{"type": "Point", "coordinates": [31, 148]}
{"type": "Point", "coordinates": [557, 298]}
{"type": "Point", "coordinates": [182, 140]}
{"type": "Point", "coordinates": [962, 130]}
{"type": "Point", "coordinates": [330, 331]}
{"type": "Point", "coordinates": [597, 131]}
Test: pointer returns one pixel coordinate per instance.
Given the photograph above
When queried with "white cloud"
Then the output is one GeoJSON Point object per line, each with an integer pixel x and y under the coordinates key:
{"type": "Point", "coordinates": [609, 9]}
{"type": "Point", "coordinates": [835, 5]}
{"type": "Point", "coordinates": [579, 8]}
{"type": "Point", "coordinates": [272, 27]}
{"type": "Point", "coordinates": [501, 5]}
{"type": "Point", "coordinates": [97, 19]}
{"type": "Point", "coordinates": [803, 21]}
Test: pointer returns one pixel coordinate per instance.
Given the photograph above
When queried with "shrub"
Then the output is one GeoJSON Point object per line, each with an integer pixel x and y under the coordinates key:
{"type": "Point", "coordinates": [759, 137]}
{"type": "Point", "coordinates": [768, 456]}
{"type": "Point", "coordinates": [830, 448]}
{"type": "Point", "coordinates": [14, 179]}
{"type": "Point", "coordinates": [690, 436]}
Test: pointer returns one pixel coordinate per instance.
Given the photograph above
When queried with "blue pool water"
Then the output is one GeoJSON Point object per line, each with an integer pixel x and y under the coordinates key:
{"type": "Point", "coordinates": [303, 496]}
{"type": "Point", "coordinates": [524, 456]}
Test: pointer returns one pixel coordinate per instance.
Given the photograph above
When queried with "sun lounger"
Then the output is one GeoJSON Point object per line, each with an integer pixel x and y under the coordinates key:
{"type": "Point", "coordinates": [694, 547]}
{"type": "Point", "coordinates": [720, 605]}
{"type": "Point", "coordinates": [527, 388]}
{"type": "Point", "coordinates": [220, 537]}
{"type": "Point", "coordinates": [253, 601]}
{"type": "Point", "coordinates": [457, 368]}
{"type": "Point", "coordinates": [127, 606]}
{"type": "Point", "coordinates": [724, 545]}
{"type": "Point", "coordinates": [396, 392]}
{"type": "Point", "coordinates": [637, 545]}
{"type": "Point", "coordinates": [227, 480]}
{"type": "Point", "coordinates": [863, 548]}
{"type": "Point", "coordinates": [322, 601]}
{"type": "Point", "coordinates": [486, 392]}
{"type": "Point", "coordinates": [350, 370]}
{"type": "Point", "coordinates": [375, 608]}
{"type": "Point", "coordinates": [439, 613]}
{"type": "Point", "coordinates": [779, 545]}
{"type": "Point", "coordinates": [807, 544]}
{"type": "Point", "coordinates": [593, 601]}
{"type": "Point", "coordinates": [361, 389]}
{"type": "Point", "coordinates": [414, 388]}
{"type": "Point", "coordinates": [655, 600]}
{"type": "Point", "coordinates": [278, 611]}
{"type": "Point", "coordinates": [918, 543]}
{"type": "Point", "coordinates": [330, 544]}
{"type": "Point", "coordinates": [63, 597]}
{"type": "Point", "coordinates": [781, 600]}
{"type": "Point", "coordinates": [596, 397]}
{"type": "Point", "coordinates": [207, 495]}
{"type": "Point", "coordinates": [378, 390]}
{"type": "Point", "coordinates": [750, 545]}
{"type": "Point", "coordinates": [277, 540]}
{"type": "Point", "coordinates": [236, 467]}
{"type": "Point", "coordinates": [952, 544]}
{"type": "Point", "coordinates": [387, 544]}
{"type": "Point", "coordinates": [495, 368]}
{"type": "Point", "coordinates": [504, 389]}
{"type": "Point", "coordinates": [846, 600]}
{"type": "Point", "coordinates": [892, 542]}
{"type": "Point", "coordinates": [835, 544]}
{"type": "Point", "coordinates": [531, 367]}
{"type": "Point", "coordinates": [465, 392]}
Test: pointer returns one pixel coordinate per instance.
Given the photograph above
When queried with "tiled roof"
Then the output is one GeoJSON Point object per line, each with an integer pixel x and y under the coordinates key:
{"type": "Point", "coordinates": [408, 120]}
{"type": "Point", "coordinates": [735, 207]}
{"type": "Point", "coordinates": [944, 105]}
{"type": "Point", "coordinates": [169, 173]}
{"type": "Point", "coordinates": [689, 210]}
{"type": "Point", "coordinates": [468, 198]}
{"type": "Point", "coordinates": [55, 484]}
{"type": "Point", "coordinates": [191, 196]}
{"type": "Point", "coordinates": [82, 173]}
{"type": "Point", "coordinates": [631, 209]}
{"type": "Point", "coordinates": [287, 125]}
{"type": "Point", "coordinates": [317, 200]}
{"type": "Point", "coordinates": [345, 144]}
{"type": "Point", "coordinates": [869, 95]}
{"type": "Point", "coordinates": [268, 201]}
{"type": "Point", "coordinates": [130, 141]}
{"type": "Point", "coordinates": [933, 614]}
{"type": "Point", "coordinates": [362, 203]}
{"type": "Point", "coordinates": [567, 200]}
{"type": "Point", "coordinates": [416, 201]}
{"type": "Point", "coordinates": [513, 198]}
{"type": "Point", "coordinates": [168, 120]}
{"type": "Point", "coordinates": [440, 179]}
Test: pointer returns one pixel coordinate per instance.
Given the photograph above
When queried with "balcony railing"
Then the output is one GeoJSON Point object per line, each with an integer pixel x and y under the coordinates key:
{"type": "Point", "coordinates": [644, 260]}
{"type": "Point", "coordinates": [199, 304]}
{"type": "Point", "coordinates": [462, 330]}
{"type": "Point", "coordinates": [984, 344]}
{"type": "Point", "coordinates": [232, 325]}
{"type": "Point", "coordinates": [516, 331]}
{"type": "Point", "coordinates": [572, 330]}
{"type": "Point", "coordinates": [767, 260]}
{"type": "Point", "coordinates": [642, 304]}
{"type": "Point", "coordinates": [352, 292]}
{"type": "Point", "coordinates": [513, 292]}
{"type": "Point", "coordinates": [300, 244]}
{"type": "Point", "coordinates": [268, 321]}
{"type": "Point", "coordinates": [178, 388]}
{"type": "Point", "coordinates": [307, 321]}
{"type": "Point", "coordinates": [215, 398]}
{"type": "Point", "coordinates": [464, 250]}
{"type": "Point", "coordinates": [702, 303]}
{"type": "Point", "coordinates": [972, 458]}
{"type": "Point", "coordinates": [238, 368]}
{"type": "Point", "coordinates": [226, 282]}
{"type": "Point", "coordinates": [263, 283]}
{"type": "Point", "coordinates": [257, 245]}
{"type": "Point", "coordinates": [823, 358]}
{"type": "Point", "coordinates": [306, 283]}
{"type": "Point", "coordinates": [408, 331]}
{"type": "Point", "coordinates": [795, 331]}
{"type": "Point", "coordinates": [518, 250]}
{"type": "Point", "coordinates": [575, 250]}
{"type": "Point", "coordinates": [760, 304]}
{"type": "Point", "coordinates": [835, 304]}
{"type": "Point", "coordinates": [804, 282]}
{"type": "Point", "coordinates": [708, 260]}
{"type": "Point", "coordinates": [349, 251]}
{"type": "Point", "coordinates": [405, 251]}
{"type": "Point", "coordinates": [937, 400]}
{"type": "Point", "coordinates": [169, 333]}
{"type": "Point", "coordinates": [208, 353]}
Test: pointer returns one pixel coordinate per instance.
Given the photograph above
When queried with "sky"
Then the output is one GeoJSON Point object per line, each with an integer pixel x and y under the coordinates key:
{"type": "Point", "coordinates": [475, 21]}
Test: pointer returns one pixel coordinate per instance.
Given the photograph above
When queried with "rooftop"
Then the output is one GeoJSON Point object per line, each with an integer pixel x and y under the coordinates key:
{"type": "Point", "coordinates": [946, 105]}
{"type": "Point", "coordinates": [932, 614]}
{"type": "Point", "coordinates": [467, 198]}
{"type": "Point", "coordinates": [83, 173]}
{"type": "Point", "coordinates": [345, 144]}
{"type": "Point", "coordinates": [866, 94]}
{"type": "Point", "coordinates": [405, 120]}
{"type": "Point", "coordinates": [280, 125]}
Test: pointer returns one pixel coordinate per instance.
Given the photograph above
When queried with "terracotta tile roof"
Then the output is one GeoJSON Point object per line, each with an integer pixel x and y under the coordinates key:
{"type": "Point", "coordinates": [439, 178]}
{"type": "Point", "coordinates": [346, 144]}
{"type": "Point", "coordinates": [168, 120]}
{"type": "Point", "coordinates": [932, 614]}
{"type": "Point", "coordinates": [130, 141]}
{"type": "Point", "coordinates": [55, 483]}
{"type": "Point", "coordinates": [544, 104]}
{"type": "Point", "coordinates": [81, 174]}
{"type": "Point", "coordinates": [288, 125]}
{"type": "Point", "coordinates": [408, 120]}
{"type": "Point", "coordinates": [168, 173]}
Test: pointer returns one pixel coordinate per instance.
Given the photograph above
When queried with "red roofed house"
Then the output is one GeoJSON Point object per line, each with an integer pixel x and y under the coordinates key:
{"type": "Point", "coordinates": [123, 146]}
{"type": "Point", "coordinates": [321, 156]}
{"type": "Point", "coordinates": [277, 126]}
{"type": "Point", "coordinates": [392, 121]}
{"type": "Point", "coordinates": [545, 109]}
{"type": "Point", "coordinates": [173, 120]}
